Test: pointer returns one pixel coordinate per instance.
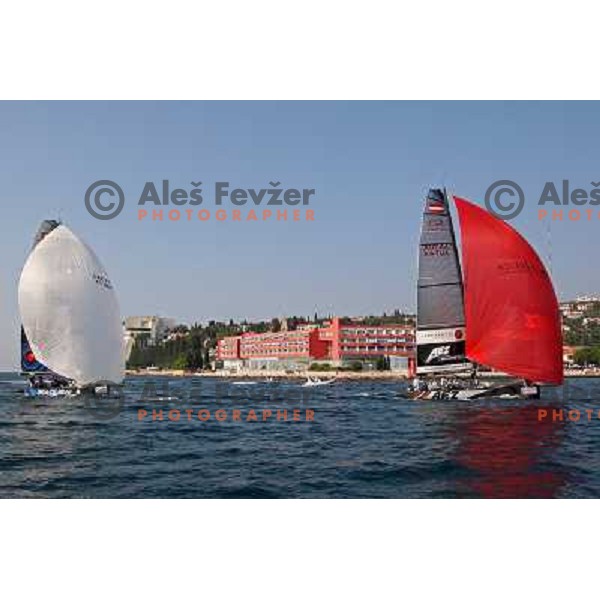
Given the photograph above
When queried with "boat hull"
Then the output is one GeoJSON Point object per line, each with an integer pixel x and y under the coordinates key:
{"type": "Point", "coordinates": [515, 390]}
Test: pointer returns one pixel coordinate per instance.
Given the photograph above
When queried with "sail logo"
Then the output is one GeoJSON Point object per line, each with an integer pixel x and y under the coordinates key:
{"type": "Point", "coordinates": [436, 207]}
{"type": "Point", "coordinates": [515, 267]}
{"type": "Point", "coordinates": [437, 353]}
{"type": "Point", "coordinates": [436, 224]}
{"type": "Point", "coordinates": [103, 281]}
{"type": "Point", "coordinates": [439, 249]}
{"type": "Point", "coordinates": [443, 336]}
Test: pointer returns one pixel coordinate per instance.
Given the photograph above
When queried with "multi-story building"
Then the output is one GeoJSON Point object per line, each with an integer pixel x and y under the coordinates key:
{"type": "Point", "coordinates": [575, 309]}
{"type": "Point", "coordinates": [336, 341]}
{"type": "Point", "coordinates": [229, 348]}
{"type": "Point", "coordinates": [149, 330]}
{"type": "Point", "coordinates": [358, 341]}
{"type": "Point", "coordinates": [298, 344]}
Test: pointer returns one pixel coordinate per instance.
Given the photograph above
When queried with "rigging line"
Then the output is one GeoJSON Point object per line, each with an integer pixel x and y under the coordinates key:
{"type": "Point", "coordinates": [549, 246]}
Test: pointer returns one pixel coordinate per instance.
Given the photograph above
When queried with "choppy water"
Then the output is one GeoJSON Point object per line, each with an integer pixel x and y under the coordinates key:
{"type": "Point", "coordinates": [366, 441]}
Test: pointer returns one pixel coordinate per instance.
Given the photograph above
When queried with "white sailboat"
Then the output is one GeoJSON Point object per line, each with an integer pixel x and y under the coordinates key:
{"type": "Point", "coordinates": [70, 315]}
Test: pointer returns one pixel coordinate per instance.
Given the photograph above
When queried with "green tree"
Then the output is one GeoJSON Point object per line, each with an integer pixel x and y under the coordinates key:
{"type": "Point", "coordinates": [587, 356]}
{"type": "Point", "coordinates": [383, 363]}
{"type": "Point", "coordinates": [180, 363]}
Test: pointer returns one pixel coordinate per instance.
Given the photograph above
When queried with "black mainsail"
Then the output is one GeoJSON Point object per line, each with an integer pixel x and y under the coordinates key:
{"type": "Point", "coordinates": [440, 301]}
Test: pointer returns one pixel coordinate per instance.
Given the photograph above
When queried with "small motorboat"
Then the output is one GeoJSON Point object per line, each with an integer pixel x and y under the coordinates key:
{"type": "Point", "coordinates": [315, 382]}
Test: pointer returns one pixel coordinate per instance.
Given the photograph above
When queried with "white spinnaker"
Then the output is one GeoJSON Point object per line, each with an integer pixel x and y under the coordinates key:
{"type": "Point", "coordinates": [70, 311]}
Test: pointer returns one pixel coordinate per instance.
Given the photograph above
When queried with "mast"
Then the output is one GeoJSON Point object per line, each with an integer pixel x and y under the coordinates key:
{"type": "Point", "coordinates": [440, 301]}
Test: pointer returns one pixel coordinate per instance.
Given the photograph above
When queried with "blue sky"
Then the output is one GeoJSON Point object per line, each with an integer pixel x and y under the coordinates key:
{"type": "Point", "coordinates": [370, 164]}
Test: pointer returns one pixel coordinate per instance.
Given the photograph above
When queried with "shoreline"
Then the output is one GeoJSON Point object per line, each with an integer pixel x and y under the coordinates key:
{"type": "Point", "coordinates": [368, 375]}
{"type": "Point", "coordinates": [340, 375]}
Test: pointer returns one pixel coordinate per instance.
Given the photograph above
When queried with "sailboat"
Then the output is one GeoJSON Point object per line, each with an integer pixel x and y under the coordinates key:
{"type": "Point", "coordinates": [72, 338]}
{"type": "Point", "coordinates": [503, 316]}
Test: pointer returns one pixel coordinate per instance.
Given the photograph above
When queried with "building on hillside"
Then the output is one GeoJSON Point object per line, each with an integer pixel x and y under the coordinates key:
{"type": "Point", "coordinates": [575, 309]}
{"type": "Point", "coordinates": [588, 299]}
{"type": "Point", "coordinates": [569, 310]}
{"type": "Point", "coordinates": [336, 342]}
{"type": "Point", "coordinates": [568, 355]}
{"type": "Point", "coordinates": [149, 331]}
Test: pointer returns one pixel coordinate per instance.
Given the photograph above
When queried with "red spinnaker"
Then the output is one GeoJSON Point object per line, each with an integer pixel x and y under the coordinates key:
{"type": "Point", "coordinates": [511, 310]}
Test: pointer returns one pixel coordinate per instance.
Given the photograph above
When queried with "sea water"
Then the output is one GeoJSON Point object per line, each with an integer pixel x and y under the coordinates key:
{"type": "Point", "coordinates": [207, 438]}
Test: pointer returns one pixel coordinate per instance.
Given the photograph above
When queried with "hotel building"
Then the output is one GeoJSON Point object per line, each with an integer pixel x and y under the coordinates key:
{"type": "Point", "coordinates": [337, 341]}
